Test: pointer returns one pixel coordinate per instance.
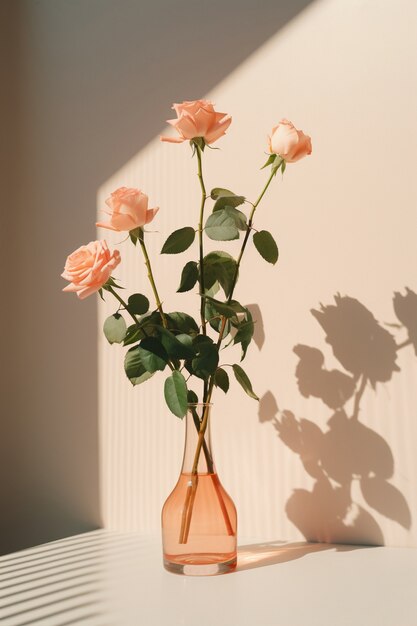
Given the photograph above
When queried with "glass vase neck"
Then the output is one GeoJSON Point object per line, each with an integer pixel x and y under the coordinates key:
{"type": "Point", "coordinates": [198, 419]}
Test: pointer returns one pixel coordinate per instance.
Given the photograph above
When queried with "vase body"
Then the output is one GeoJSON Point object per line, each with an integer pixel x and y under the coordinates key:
{"type": "Point", "coordinates": [199, 521]}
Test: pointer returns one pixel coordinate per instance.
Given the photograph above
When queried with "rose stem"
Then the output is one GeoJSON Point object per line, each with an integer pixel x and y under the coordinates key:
{"type": "Point", "coordinates": [152, 280]}
{"type": "Point", "coordinates": [185, 527]}
{"type": "Point", "coordinates": [191, 491]}
{"type": "Point", "coordinates": [122, 302]}
{"type": "Point", "coordinates": [200, 237]}
{"type": "Point", "coordinates": [201, 248]}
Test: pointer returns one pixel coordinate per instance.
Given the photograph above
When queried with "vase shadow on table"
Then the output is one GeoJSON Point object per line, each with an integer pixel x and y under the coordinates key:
{"type": "Point", "coordinates": [276, 552]}
{"type": "Point", "coordinates": [347, 451]}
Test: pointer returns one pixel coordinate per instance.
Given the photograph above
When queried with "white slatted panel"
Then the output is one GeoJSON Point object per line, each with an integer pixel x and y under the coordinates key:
{"type": "Point", "coordinates": [345, 222]}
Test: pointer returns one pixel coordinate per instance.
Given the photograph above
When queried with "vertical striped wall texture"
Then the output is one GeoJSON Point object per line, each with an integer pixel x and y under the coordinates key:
{"type": "Point", "coordinates": [345, 221]}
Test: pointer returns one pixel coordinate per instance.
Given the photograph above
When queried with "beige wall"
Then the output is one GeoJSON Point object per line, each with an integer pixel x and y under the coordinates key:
{"type": "Point", "coordinates": [345, 221]}
{"type": "Point", "coordinates": [84, 86]}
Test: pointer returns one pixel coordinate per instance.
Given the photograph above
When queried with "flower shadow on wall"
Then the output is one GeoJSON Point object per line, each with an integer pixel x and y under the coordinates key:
{"type": "Point", "coordinates": [347, 451]}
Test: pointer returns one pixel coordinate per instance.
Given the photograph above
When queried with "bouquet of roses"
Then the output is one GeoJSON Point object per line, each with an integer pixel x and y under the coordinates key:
{"type": "Point", "coordinates": [157, 339]}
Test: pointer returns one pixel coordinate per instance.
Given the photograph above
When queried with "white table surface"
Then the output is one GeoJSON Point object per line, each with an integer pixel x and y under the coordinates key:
{"type": "Point", "coordinates": [106, 578]}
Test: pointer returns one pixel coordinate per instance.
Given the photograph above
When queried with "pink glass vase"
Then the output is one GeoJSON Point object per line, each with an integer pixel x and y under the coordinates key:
{"type": "Point", "coordinates": [199, 519]}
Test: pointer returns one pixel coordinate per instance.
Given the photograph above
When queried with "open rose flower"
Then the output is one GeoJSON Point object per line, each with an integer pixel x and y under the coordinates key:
{"type": "Point", "coordinates": [288, 142]}
{"type": "Point", "coordinates": [197, 118]}
{"type": "Point", "coordinates": [89, 267]}
{"type": "Point", "coordinates": [128, 210]}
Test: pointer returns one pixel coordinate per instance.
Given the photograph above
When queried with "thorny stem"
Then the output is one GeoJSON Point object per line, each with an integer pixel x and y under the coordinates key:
{"type": "Point", "coordinates": [200, 238]}
{"type": "Point", "coordinates": [152, 281]}
{"type": "Point", "coordinates": [122, 302]}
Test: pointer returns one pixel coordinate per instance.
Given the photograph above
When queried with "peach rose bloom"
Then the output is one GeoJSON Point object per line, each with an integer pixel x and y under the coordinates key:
{"type": "Point", "coordinates": [197, 118]}
{"type": "Point", "coordinates": [291, 144]}
{"type": "Point", "coordinates": [89, 267]}
{"type": "Point", "coordinates": [128, 210]}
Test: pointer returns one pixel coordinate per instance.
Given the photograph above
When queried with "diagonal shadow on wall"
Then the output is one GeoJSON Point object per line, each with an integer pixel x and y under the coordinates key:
{"type": "Point", "coordinates": [92, 84]}
{"type": "Point", "coordinates": [347, 451]}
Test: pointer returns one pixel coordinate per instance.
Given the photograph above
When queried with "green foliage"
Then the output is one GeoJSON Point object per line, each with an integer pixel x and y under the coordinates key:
{"type": "Point", "coordinates": [227, 309]}
{"type": "Point", "coordinates": [114, 328]}
{"type": "Point", "coordinates": [219, 267]}
{"type": "Point", "coordinates": [207, 359]}
{"type": "Point", "coordinates": [179, 241]}
{"type": "Point", "coordinates": [221, 227]}
{"type": "Point", "coordinates": [147, 325]}
{"type": "Point", "coordinates": [133, 335]}
{"type": "Point", "coordinates": [175, 348]}
{"type": "Point", "coordinates": [189, 276]}
{"type": "Point", "coordinates": [183, 323]}
{"type": "Point", "coordinates": [153, 355]}
{"type": "Point", "coordinates": [192, 397]}
{"type": "Point", "coordinates": [175, 392]}
{"type": "Point", "coordinates": [238, 217]}
{"type": "Point", "coordinates": [266, 246]}
{"type": "Point", "coordinates": [221, 379]}
{"type": "Point", "coordinates": [225, 197]}
{"type": "Point", "coordinates": [224, 224]}
{"type": "Point", "coordinates": [134, 367]}
{"type": "Point", "coordinates": [243, 380]}
{"type": "Point", "coordinates": [138, 304]}
{"type": "Point", "coordinates": [214, 318]}
{"type": "Point", "coordinates": [245, 330]}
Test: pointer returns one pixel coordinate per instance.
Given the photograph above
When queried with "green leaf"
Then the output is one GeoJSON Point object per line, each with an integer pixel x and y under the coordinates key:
{"type": "Point", "coordinates": [114, 328]}
{"type": "Point", "coordinates": [192, 397]}
{"type": "Point", "coordinates": [220, 191]}
{"type": "Point", "coordinates": [220, 226]}
{"type": "Point", "coordinates": [221, 379]}
{"type": "Point", "coordinates": [214, 318]}
{"type": "Point", "coordinates": [219, 267]}
{"type": "Point", "coordinates": [186, 340]}
{"type": "Point", "coordinates": [175, 391]}
{"type": "Point", "coordinates": [266, 246]}
{"type": "Point", "coordinates": [243, 380]}
{"type": "Point", "coordinates": [225, 197]}
{"type": "Point", "coordinates": [215, 287]}
{"type": "Point", "coordinates": [175, 348]}
{"type": "Point", "coordinates": [238, 217]}
{"type": "Point", "coordinates": [138, 304]}
{"type": "Point", "coordinates": [227, 309]}
{"type": "Point", "coordinates": [134, 368]}
{"type": "Point", "coordinates": [189, 276]}
{"type": "Point", "coordinates": [206, 361]}
{"type": "Point", "coordinates": [245, 332]}
{"type": "Point", "coordinates": [153, 354]}
{"type": "Point", "coordinates": [183, 323]}
{"type": "Point", "coordinates": [179, 241]}
{"type": "Point", "coordinates": [133, 335]}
